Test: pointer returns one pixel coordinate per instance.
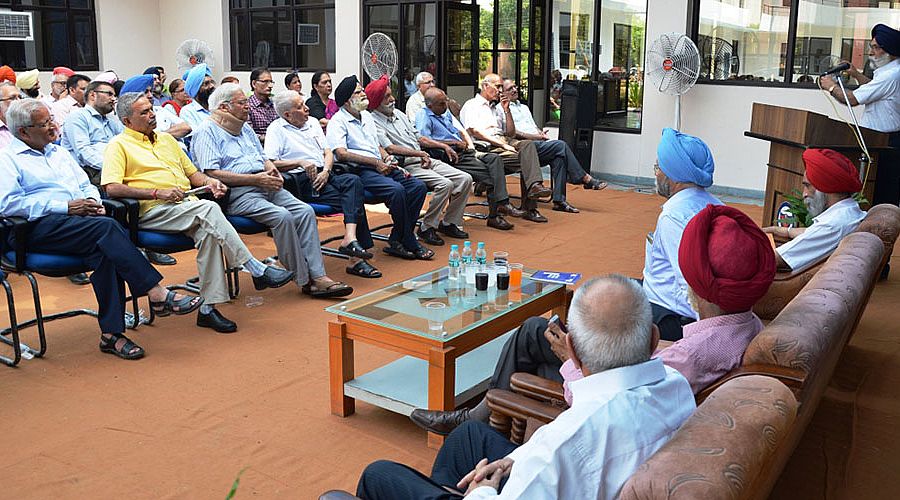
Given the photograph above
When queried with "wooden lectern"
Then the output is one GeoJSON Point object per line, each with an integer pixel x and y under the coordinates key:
{"type": "Point", "coordinates": [791, 132]}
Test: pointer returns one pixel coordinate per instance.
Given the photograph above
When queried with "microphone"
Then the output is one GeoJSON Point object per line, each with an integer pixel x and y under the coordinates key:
{"type": "Point", "coordinates": [837, 69]}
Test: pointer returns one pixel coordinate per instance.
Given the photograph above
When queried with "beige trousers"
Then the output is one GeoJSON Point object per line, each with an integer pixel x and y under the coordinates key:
{"type": "Point", "coordinates": [213, 236]}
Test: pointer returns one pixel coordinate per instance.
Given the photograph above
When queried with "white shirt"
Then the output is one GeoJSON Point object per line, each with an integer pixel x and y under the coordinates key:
{"type": "Point", "coordinates": [62, 108]}
{"type": "Point", "coordinates": [882, 99]}
{"type": "Point", "coordinates": [823, 236]}
{"type": "Point", "coordinates": [414, 104]}
{"type": "Point", "coordinates": [618, 419]}
{"type": "Point", "coordinates": [522, 118]}
{"type": "Point", "coordinates": [288, 142]}
{"type": "Point", "coordinates": [165, 118]}
{"type": "Point", "coordinates": [478, 114]}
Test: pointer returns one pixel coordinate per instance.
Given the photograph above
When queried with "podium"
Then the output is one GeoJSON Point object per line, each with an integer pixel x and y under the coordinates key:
{"type": "Point", "coordinates": [790, 132]}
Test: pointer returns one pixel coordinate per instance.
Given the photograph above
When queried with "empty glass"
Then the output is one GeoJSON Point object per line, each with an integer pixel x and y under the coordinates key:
{"type": "Point", "coordinates": [435, 316]}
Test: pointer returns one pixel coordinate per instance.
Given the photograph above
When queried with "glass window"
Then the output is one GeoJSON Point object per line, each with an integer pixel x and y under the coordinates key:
{"type": "Point", "coordinates": [282, 34]}
{"type": "Point", "coordinates": [459, 44]}
{"type": "Point", "coordinates": [62, 34]}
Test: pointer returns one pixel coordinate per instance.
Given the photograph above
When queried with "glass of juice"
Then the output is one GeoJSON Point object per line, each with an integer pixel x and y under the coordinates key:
{"type": "Point", "coordinates": [515, 275]}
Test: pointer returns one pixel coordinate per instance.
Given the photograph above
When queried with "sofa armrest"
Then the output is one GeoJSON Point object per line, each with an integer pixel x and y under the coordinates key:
{"type": "Point", "coordinates": [510, 413]}
{"type": "Point", "coordinates": [539, 388]}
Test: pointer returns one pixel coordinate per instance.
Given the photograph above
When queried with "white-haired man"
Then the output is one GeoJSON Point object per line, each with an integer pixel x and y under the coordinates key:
{"type": "Point", "coordinates": [227, 148]}
{"type": "Point", "coordinates": [625, 409]}
{"type": "Point", "coordinates": [416, 102]}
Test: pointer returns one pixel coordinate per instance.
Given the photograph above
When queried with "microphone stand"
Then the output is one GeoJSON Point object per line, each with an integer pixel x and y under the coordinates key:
{"type": "Point", "coordinates": [864, 158]}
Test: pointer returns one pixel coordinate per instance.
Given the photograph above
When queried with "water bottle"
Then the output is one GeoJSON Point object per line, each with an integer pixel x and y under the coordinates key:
{"type": "Point", "coordinates": [466, 257]}
{"type": "Point", "coordinates": [453, 262]}
{"type": "Point", "coordinates": [481, 257]}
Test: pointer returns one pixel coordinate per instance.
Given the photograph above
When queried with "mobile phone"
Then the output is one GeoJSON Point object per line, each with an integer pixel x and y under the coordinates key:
{"type": "Point", "coordinates": [559, 323]}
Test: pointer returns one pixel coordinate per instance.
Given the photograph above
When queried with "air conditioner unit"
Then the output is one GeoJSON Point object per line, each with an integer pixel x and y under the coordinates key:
{"type": "Point", "coordinates": [17, 26]}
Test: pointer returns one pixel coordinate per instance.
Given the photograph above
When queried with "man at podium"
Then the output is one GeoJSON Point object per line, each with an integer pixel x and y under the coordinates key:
{"type": "Point", "coordinates": [881, 96]}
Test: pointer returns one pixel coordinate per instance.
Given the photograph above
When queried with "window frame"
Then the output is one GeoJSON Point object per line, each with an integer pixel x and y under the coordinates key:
{"type": "Point", "coordinates": [71, 13]}
{"type": "Point", "coordinates": [293, 8]}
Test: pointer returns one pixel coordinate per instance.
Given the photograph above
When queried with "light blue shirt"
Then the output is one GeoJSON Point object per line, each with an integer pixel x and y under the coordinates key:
{"type": "Point", "coordinates": [358, 136]}
{"type": "Point", "coordinates": [213, 148]}
{"type": "Point", "coordinates": [440, 128]}
{"type": "Point", "coordinates": [663, 282]}
{"type": "Point", "coordinates": [35, 183]}
{"type": "Point", "coordinates": [522, 118]}
{"type": "Point", "coordinates": [86, 134]}
{"type": "Point", "coordinates": [194, 114]}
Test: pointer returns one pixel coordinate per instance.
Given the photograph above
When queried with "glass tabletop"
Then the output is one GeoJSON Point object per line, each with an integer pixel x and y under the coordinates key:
{"type": "Point", "coordinates": [404, 306]}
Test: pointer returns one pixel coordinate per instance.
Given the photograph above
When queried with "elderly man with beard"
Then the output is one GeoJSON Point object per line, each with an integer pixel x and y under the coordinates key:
{"type": "Point", "coordinates": [353, 137]}
{"type": "Point", "coordinates": [828, 186]}
{"type": "Point", "coordinates": [28, 82]}
{"type": "Point", "coordinates": [199, 85]}
{"type": "Point", "coordinates": [88, 130]}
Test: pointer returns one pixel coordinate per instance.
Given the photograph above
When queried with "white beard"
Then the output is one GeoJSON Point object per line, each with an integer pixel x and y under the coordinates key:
{"type": "Point", "coordinates": [878, 62]}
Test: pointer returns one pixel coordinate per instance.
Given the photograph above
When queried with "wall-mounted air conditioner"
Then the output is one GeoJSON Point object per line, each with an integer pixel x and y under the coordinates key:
{"type": "Point", "coordinates": [17, 26]}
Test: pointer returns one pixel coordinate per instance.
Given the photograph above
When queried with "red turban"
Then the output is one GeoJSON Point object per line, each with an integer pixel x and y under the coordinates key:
{"type": "Point", "coordinates": [726, 258]}
{"type": "Point", "coordinates": [831, 172]}
{"type": "Point", "coordinates": [7, 74]}
{"type": "Point", "coordinates": [62, 70]}
{"type": "Point", "coordinates": [375, 91]}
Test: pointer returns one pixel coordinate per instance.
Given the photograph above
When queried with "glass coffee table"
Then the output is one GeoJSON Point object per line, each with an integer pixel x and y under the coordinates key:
{"type": "Point", "coordinates": [447, 361]}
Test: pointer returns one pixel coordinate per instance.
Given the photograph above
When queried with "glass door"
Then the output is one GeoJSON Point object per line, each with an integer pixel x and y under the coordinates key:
{"type": "Point", "coordinates": [460, 49]}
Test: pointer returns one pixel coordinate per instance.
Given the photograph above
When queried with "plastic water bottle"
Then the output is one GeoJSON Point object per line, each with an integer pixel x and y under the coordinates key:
{"type": "Point", "coordinates": [466, 257]}
{"type": "Point", "coordinates": [453, 262]}
{"type": "Point", "coordinates": [481, 257]}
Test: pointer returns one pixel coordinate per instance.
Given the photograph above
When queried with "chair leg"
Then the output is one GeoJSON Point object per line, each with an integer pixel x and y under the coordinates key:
{"type": "Point", "coordinates": [38, 314]}
{"type": "Point", "coordinates": [13, 330]}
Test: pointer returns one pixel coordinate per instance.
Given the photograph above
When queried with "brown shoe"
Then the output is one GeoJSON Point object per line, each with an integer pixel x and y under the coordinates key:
{"type": "Point", "coordinates": [498, 222]}
{"type": "Point", "coordinates": [534, 216]}
{"type": "Point", "coordinates": [508, 209]}
{"type": "Point", "coordinates": [439, 422]}
{"type": "Point", "coordinates": [538, 190]}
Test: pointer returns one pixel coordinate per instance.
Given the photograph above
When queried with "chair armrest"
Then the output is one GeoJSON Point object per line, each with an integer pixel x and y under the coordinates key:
{"type": "Point", "coordinates": [534, 387]}
{"type": "Point", "coordinates": [20, 229]}
{"type": "Point", "coordinates": [117, 210]}
{"type": "Point", "coordinates": [510, 413]}
{"type": "Point", "coordinates": [132, 216]}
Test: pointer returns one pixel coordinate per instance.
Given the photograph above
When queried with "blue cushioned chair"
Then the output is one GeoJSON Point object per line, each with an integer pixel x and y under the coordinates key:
{"type": "Point", "coordinates": [17, 259]}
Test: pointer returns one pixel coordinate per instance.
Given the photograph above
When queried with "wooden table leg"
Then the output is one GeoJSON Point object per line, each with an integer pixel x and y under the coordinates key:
{"type": "Point", "coordinates": [441, 386]}
{"type": "Point", "coordinates": [340, 367]}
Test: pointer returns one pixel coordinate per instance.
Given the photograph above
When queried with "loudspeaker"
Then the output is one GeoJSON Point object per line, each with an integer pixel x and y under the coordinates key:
{"type": "Point", "coordinates": [578, 112]}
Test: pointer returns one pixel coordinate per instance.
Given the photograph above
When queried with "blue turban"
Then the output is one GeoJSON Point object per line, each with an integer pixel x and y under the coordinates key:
{"type": "Point", "coordinates": [194, 78]}
{"type": "Point", "coordinates": [888, 38]}
{"type": "Point", "coordinates": [137, 83]}
{"type": "Point", "coordinates": [685, 158]}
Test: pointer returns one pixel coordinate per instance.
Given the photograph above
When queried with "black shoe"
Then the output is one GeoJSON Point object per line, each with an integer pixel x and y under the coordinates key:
{"type": "Point", "coordinates": [508, 209]}
{"type": "Point", "coordinates": [563, 206]}
{"type": "Point", "coordinates": [452, 230]}
{"type": "Point", "coordinates": [439, 422]}
{"type": "Point", "coordinates": [161, 259]}
{"type": "Point", "coordinates": [79, 279]}
{"type": "Point", "coordinates": [534, 216]}
{"type": "Point", "coordinates": [273, 277]}
{"type": "Point", "coordinates": [498, 222]}
{"type": "Point", "coordinates": [216, 321]}
{"type": "Point", "coordinates": [430, 236]}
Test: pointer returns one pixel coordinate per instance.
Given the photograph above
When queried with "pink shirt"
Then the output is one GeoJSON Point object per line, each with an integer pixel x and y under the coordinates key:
{"type": "Point", "coordinates": [710, 348]}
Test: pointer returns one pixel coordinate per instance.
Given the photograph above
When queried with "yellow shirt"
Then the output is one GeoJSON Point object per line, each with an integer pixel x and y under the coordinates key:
{"type": "Point", "coordinates": [133, 160]}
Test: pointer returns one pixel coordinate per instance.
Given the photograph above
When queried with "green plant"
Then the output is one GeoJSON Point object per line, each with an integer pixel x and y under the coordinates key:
{"type": "Point", "coordinates": [635, 94]}
{"type": "Point", "coordinates": [235, 484]}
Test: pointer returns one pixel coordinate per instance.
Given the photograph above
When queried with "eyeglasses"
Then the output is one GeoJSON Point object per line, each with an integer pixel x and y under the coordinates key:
{"type": "Point", "coordinates": [45, 124]}
{"type": "Point", "coordinates": [265, 82]}
{"type": "Point", "coordinates": [105, 92]}
{"type": "Point", "coordinates": [242, 102]}
{"type": "Point", "coordinates": [14, 97]}
{"type": "Point", "coordinates": [429, 82]}
{"type": "Point", "coordinates": [324, 82]}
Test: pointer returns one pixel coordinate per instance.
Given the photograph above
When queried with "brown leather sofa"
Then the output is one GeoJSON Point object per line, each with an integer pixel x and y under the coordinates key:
{"type": "Point", "coordinates": [881, 220]}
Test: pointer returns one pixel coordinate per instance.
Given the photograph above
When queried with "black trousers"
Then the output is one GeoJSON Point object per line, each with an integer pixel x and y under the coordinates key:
{"type": "Point", "coordinates": [486, 168]}
{"type": "Point", "coordinates": [887, 189]}
{"type": "Point", "coordinates": [670, 323]}
{"type": "Point", "coordinates": [564, 167]}
{"type": "Point", "coordinates": [344, 192]}
{"type": "Point", "coordinates": [404, 197]}
{"type": "Point", "coordinates": [527, 350]}
{"type": "Point", "coordinates": [104, 244]}
{"type": "Point", "coordinates": [463, 449]}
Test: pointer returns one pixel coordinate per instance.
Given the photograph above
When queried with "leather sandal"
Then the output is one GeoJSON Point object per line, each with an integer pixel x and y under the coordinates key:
{"type": "Point", "coordinates": [354, 249]}
{"type": "Point", "coordinates": [108, 345]}
{"type": "Point", "coordinates": [187, 304]}
{"type": "Point", "coordinates": [595, 184]}
{"type": "Point", "coordinates": [364, 269]}
{"type": "Point", "coordinates": [335, 289]}
{"type": "Point", "coordinates": [395, 248]}
{"type": "Point", "coordinates": [423, 253]}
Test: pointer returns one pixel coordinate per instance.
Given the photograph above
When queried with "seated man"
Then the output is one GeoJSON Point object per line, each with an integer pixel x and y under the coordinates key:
{"type": "Point", "coordinates": [486, 122]}
{"type": "Point", "coordinates": [88, 130]}
{"type": "Point", "coordinates": [728, 264]}
{"type": "Point", "coordinates": [353, 137]}
{"type": "Point", "coordinates": [439, 129]}
{"type": "Point", "coordinates": [225, 147]}
{"type": "Point", "coordinates": [564, 167]}
{"type": "Point", "coordinates": [297, 145]}
{"type": "Point", "coordinates": [684, 169]}
{"type": "Point", "coordinates": [142, 164]}
{"type": "Point", "coordinates": [41, 182]}
{"type": "Point", "coordinates": [74, 99]}
{"type": "Point", "coordinates": [625, 408]}
{"type": "Point", "coordinates": [199, 85]}
{"type": "Point", "coordinates": [262, 111]}
{"type": "Point", "coordinates": [829, 182]}
{"type": "Point", "coordinates": [416, 102]}
{"type": "Point", "coordinates": [449, 187]}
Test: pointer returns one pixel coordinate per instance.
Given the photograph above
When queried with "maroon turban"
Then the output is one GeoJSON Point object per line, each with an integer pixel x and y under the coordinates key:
{"type": "Point", "coordinates": [831, 172]}
{"type": "Point", "coordinates": [375, 91]}
{"type": "Point", "coordinates": [726, 258]}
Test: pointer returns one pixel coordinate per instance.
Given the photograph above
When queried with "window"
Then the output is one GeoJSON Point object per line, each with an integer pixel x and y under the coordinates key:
{"type": "Point", "coordinates": [510, 42]}
{"type": "Point", "coordinates": [282, 34]}
{"type": "Point", "coordinates": [63, 33]}
{"type": "Point", "coordinates": [602, 41]}
{"type": "Point", "coordinates": [785, 41]}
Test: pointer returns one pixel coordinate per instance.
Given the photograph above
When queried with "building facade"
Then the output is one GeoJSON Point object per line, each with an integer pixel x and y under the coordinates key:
{"type": "Point", "coordinates": [751, 51]}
